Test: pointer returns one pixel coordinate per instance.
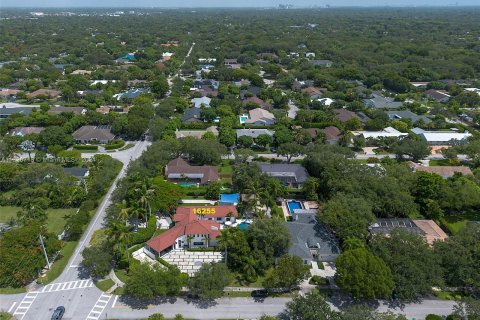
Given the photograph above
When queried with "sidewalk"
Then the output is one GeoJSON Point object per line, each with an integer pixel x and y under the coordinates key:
{"type": "Point", "coordinates": [118, 282]}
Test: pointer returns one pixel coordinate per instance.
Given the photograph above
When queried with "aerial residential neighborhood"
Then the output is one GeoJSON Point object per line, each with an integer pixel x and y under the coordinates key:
{"type": "Point", "coordinates": [215, 161]}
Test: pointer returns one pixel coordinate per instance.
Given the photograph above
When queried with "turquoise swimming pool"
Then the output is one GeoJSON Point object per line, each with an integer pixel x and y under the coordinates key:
{"type": "Point", "coordinates": [187, 184]}
{"type": "Point", "coordinates": [243, 225]}
{"type": "Point", "coordinates": [293, 204]}
{"type": "Point", "coordinates": [243, 119]}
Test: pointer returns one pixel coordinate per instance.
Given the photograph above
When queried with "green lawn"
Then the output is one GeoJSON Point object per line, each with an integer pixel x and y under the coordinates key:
{"type": "Point", "coordinates": [5, 316]}
{"type": "Point", "coordinates": [119, 291]}
{"type": "Point", "coordinates": [239, 282]}
{"type": "Point", "coordinates": [442, 162]}
{"type": "Point", "coordinates": [456, 222]}
{"type": "Point", "coordinates": [55, 221]}
{"type": "Point", "coordinates": [449, 295]}
{"type": "Point", "coordinates": [12, 291]}
{"type": "Point", "coordinates": [122, 275]}
{"type": "Point", "coordinates": [60, 263]}
{"type": "Point", "coordinates": [104, 285]}
{"type": "Point", "coordinates": [225, 167]}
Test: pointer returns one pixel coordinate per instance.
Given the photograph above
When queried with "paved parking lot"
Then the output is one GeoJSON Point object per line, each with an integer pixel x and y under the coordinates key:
{"type": "Point", "coordinates": [191, 261]}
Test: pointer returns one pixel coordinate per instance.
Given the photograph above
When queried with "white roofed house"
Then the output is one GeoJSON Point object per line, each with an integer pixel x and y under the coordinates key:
{"type": "Point", "coordinates": [442, 137]}
{"type": "Point", "coordinates": [387, 132]}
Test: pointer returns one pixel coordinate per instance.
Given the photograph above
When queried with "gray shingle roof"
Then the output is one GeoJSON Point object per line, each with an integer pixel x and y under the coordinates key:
{"type": "Point", "coordinates": [191, 113]}
{"type": "Point", "coordinates": [307, 232]}
{"type": "Point", "coordinates": [380, 102]}
{"type": "Point", "coordinates": [400, 114]}
{"type": "Point", "coordinates": [254, 133]}
{"type": "Point", "coordinates": [281, 170]}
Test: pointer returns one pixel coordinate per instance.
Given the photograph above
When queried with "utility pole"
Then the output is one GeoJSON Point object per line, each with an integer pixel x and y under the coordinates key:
{"type": "Point", "coordinates": [44, 252]}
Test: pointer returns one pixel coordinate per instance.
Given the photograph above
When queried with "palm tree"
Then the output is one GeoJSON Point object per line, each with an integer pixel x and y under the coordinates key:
{"type": "Point", "coordinates": [206, 239]}
{"type": "Point", "coordinates": [27, 146]}
{"type": "Point", "coordinates": [254, 188]}
{"type": "Point", "coordinates": [189, 240]}
{"type": "Point", "coordinates": [249, 270]}
{"type": "Point", "coordinates": [146, 195]}
{"type": "Point", "coordinates": [118, 234]}
{"type": "Point", "coordinates": [346, 139]}
{"type": "Point", "coordinates": [124, 213]}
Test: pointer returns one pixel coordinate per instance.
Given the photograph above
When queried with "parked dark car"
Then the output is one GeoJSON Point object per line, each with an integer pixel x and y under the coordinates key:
{"type": "Point", "coordinates": [259, 293]}
{"type": "Point", "coordinates": [58, 313]}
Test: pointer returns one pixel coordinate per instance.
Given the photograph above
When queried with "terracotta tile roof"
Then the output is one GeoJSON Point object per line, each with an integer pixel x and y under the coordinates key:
{"type": "Point", "coordinates": [432, 231]}
{"type": "Point", "coordinates": [187, 223]}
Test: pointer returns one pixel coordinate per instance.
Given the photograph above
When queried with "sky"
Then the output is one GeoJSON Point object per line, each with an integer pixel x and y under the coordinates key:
{"type": "Point", "coordinates": [228, 3]}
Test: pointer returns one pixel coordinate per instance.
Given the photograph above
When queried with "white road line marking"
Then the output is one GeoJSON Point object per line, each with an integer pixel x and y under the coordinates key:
{"type": "Point", "coordinates": [99, 306]}
{"type": "Point", "coordinates": [63, 286]}
{"type": "Point", "coordinates": [27, 300]}
{"type": "Point", "coordinates": [114, 301]}
{"type": "Point", "coordinates": [11, 308]}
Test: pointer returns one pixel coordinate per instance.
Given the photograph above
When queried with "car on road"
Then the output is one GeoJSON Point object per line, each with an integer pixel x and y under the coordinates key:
{"type": "Point", "coordinates": [259, 293]}
{"type": "Point", "coordinates": [58, 313]}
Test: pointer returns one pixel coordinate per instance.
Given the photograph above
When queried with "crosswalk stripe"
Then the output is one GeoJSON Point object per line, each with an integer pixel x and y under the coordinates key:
{"type": "Point", "coordinates": [28, 300]}
{"type": "Point", "coordinates": [99, 306]}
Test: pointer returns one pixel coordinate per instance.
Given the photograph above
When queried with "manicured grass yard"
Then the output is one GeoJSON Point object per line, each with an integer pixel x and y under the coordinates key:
{"type": "Point", "coordinates": [5, 316]}
{"type": "Point", "coordinates": [12, 291]}
{"type": "Point", "coordinates": [442, 162]}
{"type": "Point", "coordinates": [457, 221]}
{"type": "Point", "coordinates": [449, 295]}
{"type": "Point", "coordinates": [122, 275]}
{"type": "Point", "coordinates": [104, 285]}
{"type": "Point", "coordinates": [55, 221]}
{"type": "Point", "coordinates": [238, 281]}
{"type": "Point", "coordinates": [60, 263]}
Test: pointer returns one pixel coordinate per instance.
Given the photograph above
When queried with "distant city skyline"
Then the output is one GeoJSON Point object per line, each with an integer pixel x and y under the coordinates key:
{"type": "Point", "coordinates": [232, 3]}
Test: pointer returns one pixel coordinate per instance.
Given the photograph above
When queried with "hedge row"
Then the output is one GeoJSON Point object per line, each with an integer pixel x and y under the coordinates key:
{"type": "Point", "coordinates": [115, 144]}
{"type": "Point", "coordinates": [143, 235]}
{"type": "Point", "coordinates": [85, 147]}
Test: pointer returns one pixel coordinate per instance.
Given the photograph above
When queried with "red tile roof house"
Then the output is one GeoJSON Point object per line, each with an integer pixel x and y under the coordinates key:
{"type": "Point", "coordinates": [195, 227]}
{"type": "Point", "coordinates": [178, 170]}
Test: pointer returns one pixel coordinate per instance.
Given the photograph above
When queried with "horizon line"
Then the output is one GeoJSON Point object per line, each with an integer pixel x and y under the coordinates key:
{"type": "Point", "coordinates": [249, 7]}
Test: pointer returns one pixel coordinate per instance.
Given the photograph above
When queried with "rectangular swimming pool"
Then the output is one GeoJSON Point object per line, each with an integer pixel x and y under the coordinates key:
{"type": "Point", "coordinates": [292, 205]}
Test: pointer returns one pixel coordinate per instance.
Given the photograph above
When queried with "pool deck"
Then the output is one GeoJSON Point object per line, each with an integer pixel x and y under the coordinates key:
{"type": "Point", "coordinates": [307, 205]}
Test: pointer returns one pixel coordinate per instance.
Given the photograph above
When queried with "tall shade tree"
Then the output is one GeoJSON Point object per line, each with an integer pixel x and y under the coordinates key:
{"type": "Point", "coordinates": [364, 275]}
{"type": "Point", "coordinates": [288, 273]}
{"type": "Point", "coordinates": [348, 216]}
{"type": "Point", "coordinates": [415, 267]}
{"type": "Point", "coordinates": [312, 306]}
{"type": "Point", "coordinates": [210, 280]}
